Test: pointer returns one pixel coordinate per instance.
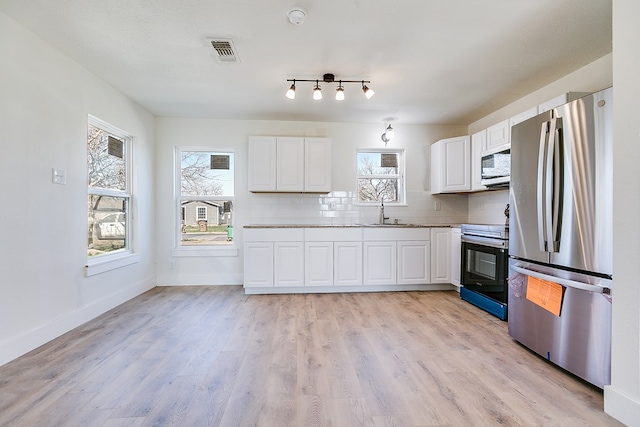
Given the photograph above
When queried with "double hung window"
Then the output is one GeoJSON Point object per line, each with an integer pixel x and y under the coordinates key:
{"type": "Point", "coordinates": [109, 193]}
{"type": "Point", "coordinates": [205, 195]}
{"type": "Point", "coordinates": [380, 176]}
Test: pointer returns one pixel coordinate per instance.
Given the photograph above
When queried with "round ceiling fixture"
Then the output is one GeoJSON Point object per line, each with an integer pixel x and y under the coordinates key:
{"type": "Point", "coordinates": [297, 15]}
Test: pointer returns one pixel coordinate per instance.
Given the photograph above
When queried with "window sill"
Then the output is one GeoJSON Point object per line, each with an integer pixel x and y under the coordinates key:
{"type": "Point", "coordinates": [101, 266]}
{"type": "Point", "coordinates": [231, 251]}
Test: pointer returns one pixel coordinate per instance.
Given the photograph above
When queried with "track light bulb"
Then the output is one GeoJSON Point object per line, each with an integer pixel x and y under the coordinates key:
{"type": "Point", "coordinates": [317, 92]}
{"type": "Point", "coordinates": [291, 93]}
{"type": "Point", "coordinates": [340, 93]}
{"type": "Point", "coordinates": [367, 92]}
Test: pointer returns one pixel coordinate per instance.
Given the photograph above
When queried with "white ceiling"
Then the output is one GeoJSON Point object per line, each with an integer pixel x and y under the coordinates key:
{"type": "Point", "coordinates": [446, 61]}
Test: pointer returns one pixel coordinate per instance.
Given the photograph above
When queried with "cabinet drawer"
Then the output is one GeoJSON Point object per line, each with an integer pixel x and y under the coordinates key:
{"type": "Point", "coordinates": [338, 234]}
{"type": "Point", "coordinates": [395, 233]}
{"type": "Point", "coordinates": [273, 234]}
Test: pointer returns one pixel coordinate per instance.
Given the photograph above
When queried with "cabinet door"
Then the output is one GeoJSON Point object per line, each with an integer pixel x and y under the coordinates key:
{"type": "Point", "coordinates": [258, 264]}
{"type": "Point", "coordinates": [456, 247]}
{"type": "Point", "coordinates": [456, 164]}
{"type": "Point", "coordinates": [317, 165]}
{"type": "Point", "coordinates": [379, 263]}
{"type": "Point", "coordinates": [478, 145]}
{"type": "Point", "coordinates": [347, 263]}
{"type": "Point", "coordinates": [288, 260]}
{"type": "Point", "coordinates": [413, 262]}
{"type": "Point", "coordinates": [440, 255]}
{"type": "Point", "coordinates": [318, 263]}
{"type": "Point", "coordinates": [498, 135]}
{"type": "Point", "coordinates": [519, 118]}
{"type": "Point", "coordinates": [290, 164]}
{"type": "Point", "coordinates": [262, 163]}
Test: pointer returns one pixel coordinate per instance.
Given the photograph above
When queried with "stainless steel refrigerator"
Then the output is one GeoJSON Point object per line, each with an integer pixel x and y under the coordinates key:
{"type": "Point", "coordinates": [560, 236]}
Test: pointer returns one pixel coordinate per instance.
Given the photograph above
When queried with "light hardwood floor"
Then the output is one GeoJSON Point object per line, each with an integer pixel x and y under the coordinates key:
{"type": "Point", "coordinates": [208, 356]}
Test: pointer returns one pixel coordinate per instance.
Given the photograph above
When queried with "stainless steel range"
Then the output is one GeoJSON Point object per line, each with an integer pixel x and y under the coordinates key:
{"type": "Point", "coordinates": [484, 267]}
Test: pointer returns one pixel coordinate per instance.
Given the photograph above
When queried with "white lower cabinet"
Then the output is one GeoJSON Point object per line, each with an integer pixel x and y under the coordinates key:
{"type": "Point", "coordinates": [346, 256]}
{"type": "Point", "coordinates": [258, 264]}
{"type": "Point", "coordinates": [288, 264]}
{"type": "Point", "coordinates": [379, 263]}
{"type": "Point", "coordinates": [441, 255]}
{"type": "Point", "coordinates": [347, 263]}
{"type": "Point", "coordinates": [413, 262]}
{"type": "Point", "coordinates": [456, 255]}
{"type": "Point", "coordinates": [318, 263]}
{"type": "Point", "coordinates": [273, 257]}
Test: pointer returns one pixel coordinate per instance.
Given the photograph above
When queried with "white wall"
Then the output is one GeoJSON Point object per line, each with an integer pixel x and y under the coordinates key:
{"type": "Point", "coordinates": [622, 398]}
{"type": "Point", "coordinates": [44, 102]}
{"type": "Point", "coordinates": [252, 208]}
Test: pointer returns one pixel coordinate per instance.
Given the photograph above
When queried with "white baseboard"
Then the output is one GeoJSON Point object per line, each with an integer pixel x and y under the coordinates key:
{"type": "Point", "coordinates": [198, 279]}
{"type": "Point", "coordinates": [17, 346]}
{"type": "Point", "coordinates": [621, 407]}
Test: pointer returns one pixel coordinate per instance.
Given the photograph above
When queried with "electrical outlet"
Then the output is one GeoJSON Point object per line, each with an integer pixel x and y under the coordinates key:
{"type": "Point", "coordinates": [172, 265]}
{"type": "Point", "coordinates": [332, 206]}
{"type": "Point", "coordinates": [437, 206]}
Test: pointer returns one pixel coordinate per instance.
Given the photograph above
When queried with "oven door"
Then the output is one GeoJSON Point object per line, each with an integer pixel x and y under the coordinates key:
{"type": "Point", "coordinates": [484, 270]}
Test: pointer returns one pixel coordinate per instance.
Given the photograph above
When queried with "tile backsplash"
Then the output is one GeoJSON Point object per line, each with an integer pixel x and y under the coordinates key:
{"type": "Point", "coordinates": [341, 208]}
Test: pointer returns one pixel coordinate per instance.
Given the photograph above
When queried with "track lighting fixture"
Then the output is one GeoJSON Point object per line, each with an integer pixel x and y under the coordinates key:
{"type": "Point", "coordinates": [367, 92]}
{"type": "Point", "coordinates": [387, 135]}
{"type": "Point", "coordinates": [340, 92]}
{"type": "Point", "coordinates": [317, 92]}
{"type": "Point", "coordinates": [328, 78]}
{"type": "Point", "coordinates": [291, 93]}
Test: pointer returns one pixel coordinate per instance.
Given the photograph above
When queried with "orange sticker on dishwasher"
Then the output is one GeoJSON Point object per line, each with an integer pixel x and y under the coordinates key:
{"type": "Point", "coordinates": [547, 295]}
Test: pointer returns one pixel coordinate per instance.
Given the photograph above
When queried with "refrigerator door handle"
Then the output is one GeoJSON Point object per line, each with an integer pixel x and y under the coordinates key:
{"type": "Point", "coordinates": [564, 282]}
{"type": "Point", "coordinates": [554, 185]}
{"type": "Point", "coordinates": [540, 190]}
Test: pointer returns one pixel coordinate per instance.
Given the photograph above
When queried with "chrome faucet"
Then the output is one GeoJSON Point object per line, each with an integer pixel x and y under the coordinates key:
{"type": "Point", "coordinates": [382, 217]}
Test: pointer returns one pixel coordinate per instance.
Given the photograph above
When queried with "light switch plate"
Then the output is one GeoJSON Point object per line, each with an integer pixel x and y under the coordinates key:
{"type": "Point", "coordinates": [59, 176]}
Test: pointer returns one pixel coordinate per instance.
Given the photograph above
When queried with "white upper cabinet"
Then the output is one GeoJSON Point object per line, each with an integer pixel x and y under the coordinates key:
{"type": "Point", "coordinates": [451, 165]}
{"type": "Point", "coordinates": [262, 163]}
{"type": "Point", "coordinates": [317, 165]}
{"type": "Point", "coordinates": [559, 100]}
{"type": "Point", "coordinates": [289, 164]}
{"type": "Point", "coordinates": [478, 146]}
{"type": "Point", "coordinates": [518, 118]}
{"type": "Point", "coordinates": [498, 135]}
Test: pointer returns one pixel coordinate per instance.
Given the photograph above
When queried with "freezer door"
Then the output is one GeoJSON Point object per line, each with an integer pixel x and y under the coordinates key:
{"type": "Point", "coordinates": [578, 340]}
{"type": "Point", "coordinates": [525, 227]}
{"type": "Point", "coordinates": [586, 224]}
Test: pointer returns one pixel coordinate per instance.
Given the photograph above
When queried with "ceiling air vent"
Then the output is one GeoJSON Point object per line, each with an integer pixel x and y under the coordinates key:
{"type": "Point", "coordinates": [224, 50]}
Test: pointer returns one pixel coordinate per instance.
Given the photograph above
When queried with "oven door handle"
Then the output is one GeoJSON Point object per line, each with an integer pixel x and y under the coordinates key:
{"type": "Point", "coordinates": [486, 241]}
{"type": "Point", "coordinates": [564, 282]}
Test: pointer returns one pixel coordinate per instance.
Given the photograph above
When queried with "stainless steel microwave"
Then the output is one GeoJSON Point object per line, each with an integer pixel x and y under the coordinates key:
{"type": "Point", "coordinates": [496, 168]}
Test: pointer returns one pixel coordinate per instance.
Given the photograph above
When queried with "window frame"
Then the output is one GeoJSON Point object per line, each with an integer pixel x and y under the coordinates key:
{"type": "Point", "coordinates": [400, 176]}
{"type": "Point", "coordinates": [179, 250]}
{"type": "Point", "coordinates": [125, 256]}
